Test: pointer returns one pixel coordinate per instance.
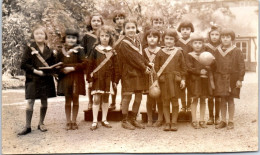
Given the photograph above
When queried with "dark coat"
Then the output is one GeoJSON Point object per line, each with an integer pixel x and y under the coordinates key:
{"type": "Point", "coordinates": [230, 67]}
{"type": "Point", "coordinates": [73, 82]}
{"type": "Point", "coordinates": [37, 87]}
{"type": "Point", "coordinates": [199, 87]}
{"type": "Point", "coordinates": [132, 66]}
{"type": "Point", "coordinates": [105, 75]}
{"type": "Point", "coordinates": [88, 42]}
{"type": "Point", "coordinates": [170, 86]}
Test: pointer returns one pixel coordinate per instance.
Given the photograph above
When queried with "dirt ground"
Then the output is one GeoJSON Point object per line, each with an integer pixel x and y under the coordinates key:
{"type": "Point", "coordinates": [150, 140]}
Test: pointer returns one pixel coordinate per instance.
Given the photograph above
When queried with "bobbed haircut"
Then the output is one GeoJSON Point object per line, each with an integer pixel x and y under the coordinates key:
{"type": "Point", "coordinates": [171, 32]}
{"type": "Point", "coordinates": [108, 30]}
{"type": "Point", "coordinates": [71, 32]}
{"type": "Point", "coordinates": [185, 24]}
{"type": "Point", "coordinates": [196, 37]}
{"type": "Point", "coordinates": [228, 31]}
{"type": "Point", "coordinates": [36, 27]}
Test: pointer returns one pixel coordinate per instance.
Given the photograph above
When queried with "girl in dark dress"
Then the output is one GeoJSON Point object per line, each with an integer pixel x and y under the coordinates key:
{"type": "Point", "coordinates": [200, 87]}
{"type": "Point", "coordinates": [101, 76]}
{"type": "Point", "coordinates": [71, 82]}
{"type": "Point", "coordinates": [88, 41]}
{"type": "Point", "coordinates": [211, 46]}
{"type": "Point", "coordinates": [152, 37]}
{"type": "Point", "coordinates": [228, 76]}
{"type": "Point", "coordinates": [133, 67]}
{"type": "Point", "coordinates": [38, 85]}
{"type": "Point", "coordinates": [172, 79]}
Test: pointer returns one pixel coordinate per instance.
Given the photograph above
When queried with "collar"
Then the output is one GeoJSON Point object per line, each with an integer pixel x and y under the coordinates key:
{"type": "Point", "coordinates": [224, 53]}
{"type": "Point", "coordinates": [195, 55]}
{"type": "Point", "coordinates": [101, 47]}
{"type": "Point", "coordinates": [184, 41]}
{"type": "Point", "coordinates": [168, 50]}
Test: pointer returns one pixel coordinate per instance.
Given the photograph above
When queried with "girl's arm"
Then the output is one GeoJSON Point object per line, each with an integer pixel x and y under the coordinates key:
{"type": "Point", "coordinates": [190, 65]}
{"type": "Point", "coordinates": [116, 73]}
{"type": "Point", "coordinates": [26, 63]}
{"type": "Point", "coordinates": [182, 66]}
{"type": "Point", "coordinates": [91, 65]}
{"type": "Point", "coordinates": [241, 65]}
{"type": "Point", "coordinates": [132, 57]}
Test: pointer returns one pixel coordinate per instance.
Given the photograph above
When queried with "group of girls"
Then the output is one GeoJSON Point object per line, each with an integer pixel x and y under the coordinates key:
{"type": "Point", "coordinates": [107, 55]}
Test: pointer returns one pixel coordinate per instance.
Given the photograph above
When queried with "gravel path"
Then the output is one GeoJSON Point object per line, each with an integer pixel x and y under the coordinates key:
{"type": "Point", "coordinates": [57, 140]}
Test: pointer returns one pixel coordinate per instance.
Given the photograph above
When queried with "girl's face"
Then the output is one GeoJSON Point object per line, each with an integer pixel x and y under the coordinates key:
{"type": "Point", "coordinates": [226, 40]}
{"type": "Point", "coordinates": [70, 40]}
{"type": "Point", "coordinates": [104, 38]}
{"type": "Point", "coordinates": [130, 30]}
{"type": "Point", "coordinates": [152, 40]}
{"type": "Point", "coordinates": [95, 22]}
{"type": "Point", "coordinates": [39, 35]}
{"type": "Point", "coordinates": [197, 45]}
{"type": "Point", "coordinates": [169, 41]}
{"type": "Point", "coordinates": [158, 24]}
{"type": "Point", "coordinates": [214, 36]}
{"type": "Point", "coordinates": [185, 32]}
{"type": "Point", "coordinates": [120, 20]}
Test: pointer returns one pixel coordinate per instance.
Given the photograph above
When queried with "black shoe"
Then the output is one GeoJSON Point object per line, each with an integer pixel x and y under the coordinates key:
{"type": "Point", "coordinates": [174, 127]}
{"type": "Point", "coordinates": [42, 128]}
{"type": "Point", "coordinates": [230, 125]}
{"type": "Point", "coordinates": [25, 131]}
{"type": "Point", "coordinates": [106, 124]}
{"type": "Point", "coordinates": [127, 125]}
{"type": "Point", "coordinates": [94, 126]}
{"type": "Point", "coordinates": [112, 107]}
{"type": "Point", "coordinates": [221, 125]}
{"type": "Point", "coordinates": [167, 127]}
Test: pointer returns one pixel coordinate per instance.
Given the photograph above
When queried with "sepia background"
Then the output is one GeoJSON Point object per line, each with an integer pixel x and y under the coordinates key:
{"type": "Point", "coordinates": [18, 17]}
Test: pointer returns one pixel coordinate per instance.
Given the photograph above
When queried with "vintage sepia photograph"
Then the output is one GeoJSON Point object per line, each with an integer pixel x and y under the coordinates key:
{"type": "Point", "coordinates": [129, 76]}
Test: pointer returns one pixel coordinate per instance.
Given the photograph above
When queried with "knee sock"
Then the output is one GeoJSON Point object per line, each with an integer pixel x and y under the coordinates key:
{"type": "Point", "coordinates": [223, 108]}
{"type": "Point", "coordinates": [114, 96]}
{"type": "Point", "coordinates": [210, 107]}
{"type": "Point", "coordinates": [137, 102]}
{"type": "Point", "coordinates": [189, 99]}
{"type": "Point", "coordinates": [43, 110]}
{"type": "Point", "coordinates": [217, 109]}
{"type": "Point", "coordinates": [231, 109]}
{"type": "Point", "coordinates": [160, 109]}
{"type": "Point", "coordinates": [175, 109]}
{"type": "Point", "coordinates": [95, 110]}
{"type": "Point", "coordinates": [202, 108]}
{"type": "Point", "coordinates": [194, 109]}
{"type": "Point", "coordinates": [149, 107]}
{"type": "Point", "coordinates": [166, 111]}
{"type": "Point", "coordinates": [125, 103]}
{"type": "Point", "coordinates": [75, 109]}
{"type": "Point", "coordinates": [183, 98]}
{"type": "Point", "coordinates": [104, 111]}
{"type": "Point", "coordinates": [90, 97]}
{"type": "Point", "coordinates": [29, 113]}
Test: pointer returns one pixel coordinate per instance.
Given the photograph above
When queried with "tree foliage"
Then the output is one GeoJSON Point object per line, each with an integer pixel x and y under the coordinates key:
{"type": "Point", "coordinates": [19, 16]}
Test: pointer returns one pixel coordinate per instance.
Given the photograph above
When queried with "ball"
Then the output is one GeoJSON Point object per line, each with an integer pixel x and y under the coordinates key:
{"type": "Point", "coordinates": [206, 58]}
{"type": "Point", "coordinates": [154, 90]}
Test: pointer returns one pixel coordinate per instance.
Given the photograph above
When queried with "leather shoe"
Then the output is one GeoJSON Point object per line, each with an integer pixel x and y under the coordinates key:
{"type": "Point", "coordinates": [25, 131]}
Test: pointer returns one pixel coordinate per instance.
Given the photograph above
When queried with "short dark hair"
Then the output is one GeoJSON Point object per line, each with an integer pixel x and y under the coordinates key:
{"type": "Point", "coordinates": [228, 31]}
{"type": "Point", "coordinates": [185, 24]}
{"type": "Point", "coordinates": [71, 32]}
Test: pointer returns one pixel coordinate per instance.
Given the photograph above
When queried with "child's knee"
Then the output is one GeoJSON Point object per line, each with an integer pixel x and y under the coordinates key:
{"type": "Point", "coordinates": [97, 99]}
{"type": "Point", "coordinates": [44, 103]}
{"type": "Point", "coordinates": [30, 104]}
{"type": "Point", "coordinates": [105, 98]}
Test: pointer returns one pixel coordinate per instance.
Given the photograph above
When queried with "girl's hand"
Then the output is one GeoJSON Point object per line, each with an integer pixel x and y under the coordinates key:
{"type": "Point", "coordinates": [203, 71]}
{"type": "Point", "coordinates": [239, 84]}
{"type": "Point", "coordinates": [38, 72]}
{"type": "Point", "coordinates": [90, 84]}
{"type": "Point", "coordinates": [151, 64]}
{"type": "Point", "coordinates": [148, 70]}
{"type": "Point", "coordinates": [67, 70]}
{"type": "Point", "coordinates": [182, 85]}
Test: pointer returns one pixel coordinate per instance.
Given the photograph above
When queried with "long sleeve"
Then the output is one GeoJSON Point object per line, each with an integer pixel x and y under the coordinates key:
{"type": "Point", "coordinates": [91, 65]}
{"type": "Point", "coordinates": [26, 63]}
{"type": "Point", "coordinates": [132, 57]}
{"type": "Point", "coordinates": [190, 65]}
{"type": "Point", "coordinates": [116, 73]}
{"type": "Point", "coordinates": [183, 66]}
{"type": "Point", "coordinates": [241, 65]}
